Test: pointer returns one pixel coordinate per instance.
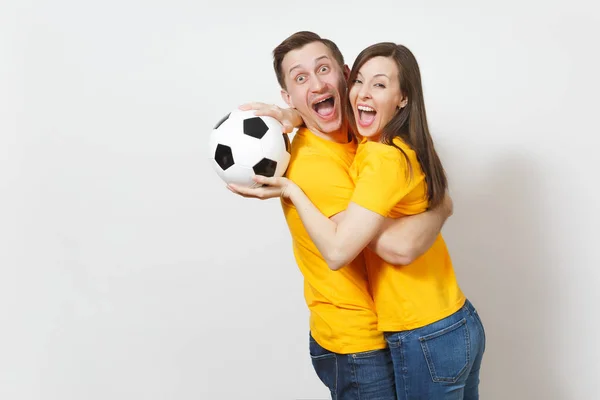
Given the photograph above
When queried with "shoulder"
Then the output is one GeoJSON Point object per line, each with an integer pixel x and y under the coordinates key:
{"type": "Point", "coordinates": [309, 148]}
{"type": "Point", "coordinates": [375, 153]}
{"type": "Point", "coordinates": [312, 164]}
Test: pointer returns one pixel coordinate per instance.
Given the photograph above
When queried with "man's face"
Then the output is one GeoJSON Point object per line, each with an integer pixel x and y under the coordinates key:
{"type": "Point", "coordinates": [315, 87]}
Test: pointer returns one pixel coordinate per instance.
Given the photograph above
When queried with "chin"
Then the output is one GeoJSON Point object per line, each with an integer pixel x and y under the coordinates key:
{"type": "Point", "coordinates": [368, 134]}
{"type": "Point", "coordinates": [331, 126]}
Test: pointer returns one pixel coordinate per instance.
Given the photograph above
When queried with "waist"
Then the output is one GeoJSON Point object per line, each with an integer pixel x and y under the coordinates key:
{"type": "Point", "coordinates": [416, 294]}
{"type": "Point", "coordinates": [345, 331]}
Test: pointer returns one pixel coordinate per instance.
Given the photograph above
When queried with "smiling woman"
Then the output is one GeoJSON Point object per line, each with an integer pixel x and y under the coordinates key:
{"type": "Point", "coordinates": [375, 95]}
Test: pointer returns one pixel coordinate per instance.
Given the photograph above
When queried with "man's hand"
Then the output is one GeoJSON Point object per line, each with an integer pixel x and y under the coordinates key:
{"type": "Point", "coordinates": [447, 206]}
{"type": "Point", "coordinates": [288, 117]}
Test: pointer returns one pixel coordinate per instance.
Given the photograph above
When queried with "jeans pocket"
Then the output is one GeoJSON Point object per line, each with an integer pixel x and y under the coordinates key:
{"type": "Point", "coordinates": [325, 365]}
{"type": "Point", "coordinates": [447, 352]}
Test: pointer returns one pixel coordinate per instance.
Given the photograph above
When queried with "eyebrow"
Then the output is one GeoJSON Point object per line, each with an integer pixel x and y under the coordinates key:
{"type": "Point", "coordinates": [300, 65]}
{"type": "Point", "coordinates": [375, 76]}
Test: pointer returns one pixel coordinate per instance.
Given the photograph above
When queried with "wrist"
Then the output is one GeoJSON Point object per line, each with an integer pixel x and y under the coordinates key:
{"type": "Point", "coordinates": [292, 192]}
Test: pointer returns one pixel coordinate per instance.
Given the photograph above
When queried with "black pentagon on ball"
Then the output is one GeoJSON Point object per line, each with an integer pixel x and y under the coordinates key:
{"type": "Point", "coordinates": [224, 156]}
{"type": "Point", "coordinates": [221, 121]}
{"type": "Point", "coordinates": [265, 167]}
{"type": "Point", "coordinates": [255, 127]}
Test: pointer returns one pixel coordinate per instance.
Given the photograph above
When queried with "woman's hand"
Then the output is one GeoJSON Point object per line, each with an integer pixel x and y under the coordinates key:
{"type": "Point", "coordinates": [288, 117]}
{"type": "Point", "coordinates": [272, 187]}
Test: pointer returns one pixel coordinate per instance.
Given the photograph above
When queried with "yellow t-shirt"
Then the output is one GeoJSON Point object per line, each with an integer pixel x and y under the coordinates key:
{"type": "Point", "coordinates": [425, 291]}
{"type": "Point", "coordinates": [342, 313]}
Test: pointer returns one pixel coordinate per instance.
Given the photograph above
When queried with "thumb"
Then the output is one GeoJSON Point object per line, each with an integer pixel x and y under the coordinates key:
{"type": "Point", "coordinates": [287, 127]}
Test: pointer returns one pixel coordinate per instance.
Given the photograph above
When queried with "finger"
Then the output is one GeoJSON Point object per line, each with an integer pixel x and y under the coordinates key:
{"type": "Point", "coordinates": [264, 180]}
{"type": "Point", "coordinates": [269, 111]}
{"type": "Point", "coordinates": [254, 105]}
{"type": "Point", "coordinates": [287, 127]}
{"type": "Point", "coordinates": [249, 192]}
{"type": "Point", "coordinates": [276, 113]}
{"type": "Point", "coordinates": [234, 191]}
{"type": "Point", "coordinates": [260, 179]}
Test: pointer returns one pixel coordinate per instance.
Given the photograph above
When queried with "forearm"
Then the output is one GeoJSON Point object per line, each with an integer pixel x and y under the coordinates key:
{"type": "Point", "coordinates": [403, 240]}
{"type": "Point", "coordinates": [321, 229]}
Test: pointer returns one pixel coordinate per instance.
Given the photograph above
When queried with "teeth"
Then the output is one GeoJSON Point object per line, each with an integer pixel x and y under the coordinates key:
{"type": "Point", "coordinates": [365, 108]}
{"type": "Point", "coordinates": [322, 100]}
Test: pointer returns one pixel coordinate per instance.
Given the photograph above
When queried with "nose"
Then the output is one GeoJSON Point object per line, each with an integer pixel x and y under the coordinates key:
{"type": "Point", "coordinates": [364, 92]}
{"type": "Point", "coordinates": [317, 84]}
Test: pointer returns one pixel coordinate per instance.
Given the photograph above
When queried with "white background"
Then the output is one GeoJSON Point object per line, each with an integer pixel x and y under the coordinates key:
{"type": "Point", "coordinates": [127, 271]}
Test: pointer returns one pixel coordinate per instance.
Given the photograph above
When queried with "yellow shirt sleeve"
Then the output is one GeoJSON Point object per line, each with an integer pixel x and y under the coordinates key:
{"type": "Point", "coordinates": [382, 181]}
{"type": "Point", "coordinates": [326, 183]}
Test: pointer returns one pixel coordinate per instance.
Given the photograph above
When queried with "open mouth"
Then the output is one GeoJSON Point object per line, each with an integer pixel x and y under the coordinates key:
{"type": "Point", "coordinates": [325, 107]}
{"type": "Point", "coordinates": [366, 115]}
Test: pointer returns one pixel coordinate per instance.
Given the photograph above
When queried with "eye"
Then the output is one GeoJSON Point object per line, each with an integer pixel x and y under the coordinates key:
{"type": "Point", "coordinates": [380, 85]}
{"type": "Point", "coordinates": [356, 81]}
{"type": "Point", "coordinates": [300, 78]}
{"type": "Point", "coordinates": [324, 68]}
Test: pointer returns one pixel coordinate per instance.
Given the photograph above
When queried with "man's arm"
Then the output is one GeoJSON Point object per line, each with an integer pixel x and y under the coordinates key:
{"type": "Point", "coordinates": [402, 240]}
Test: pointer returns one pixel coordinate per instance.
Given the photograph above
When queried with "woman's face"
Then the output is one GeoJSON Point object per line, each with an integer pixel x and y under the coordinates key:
{"type": "Point", "coordinates": [375, 96]}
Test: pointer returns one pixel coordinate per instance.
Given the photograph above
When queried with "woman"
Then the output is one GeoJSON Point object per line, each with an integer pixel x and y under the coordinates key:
{"type": "Point", "coordinates": [434, 333]}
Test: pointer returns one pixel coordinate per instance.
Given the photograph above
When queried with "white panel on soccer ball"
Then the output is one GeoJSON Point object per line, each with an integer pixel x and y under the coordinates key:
{"type": "Point", "coordinates": [273, 143]}
{"type": "Point", "coordinates": [247, 150]}
{"type": "Point", "coordinates": [213, 140]}
{"type": "Point", "coordinates": [240, 175]}
{"type": "Point", "coordinates": [274, 147]}
{"type": "Point", "coordinates": [224, 135]}
{"type": "Point", "coordinates": [218, 169]}
{"type": "Point", "coordinates": [223, 125]}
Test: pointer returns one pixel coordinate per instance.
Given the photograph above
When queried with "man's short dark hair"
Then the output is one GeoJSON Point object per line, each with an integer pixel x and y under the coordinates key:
{"type": "Point", "coordinates": [297, 41]}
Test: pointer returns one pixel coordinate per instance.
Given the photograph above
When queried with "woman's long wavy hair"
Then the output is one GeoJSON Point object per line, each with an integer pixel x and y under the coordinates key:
{"type": "Point", "coordinates": [410, 122]}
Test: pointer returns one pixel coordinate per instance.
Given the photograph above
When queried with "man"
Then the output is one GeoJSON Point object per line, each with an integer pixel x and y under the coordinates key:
{"type": "Point", "coordinates": [348, 353]}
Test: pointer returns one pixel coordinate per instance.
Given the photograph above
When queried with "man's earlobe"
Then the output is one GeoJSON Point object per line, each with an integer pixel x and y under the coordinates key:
{"type": "Point", "coordinates": [346, 71]}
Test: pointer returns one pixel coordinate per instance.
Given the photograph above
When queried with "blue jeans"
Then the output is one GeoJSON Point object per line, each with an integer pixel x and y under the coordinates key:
{"type": "Point", "coordinates": [441, 360]}
{"type": "Point", "coordinates": [367, 375]}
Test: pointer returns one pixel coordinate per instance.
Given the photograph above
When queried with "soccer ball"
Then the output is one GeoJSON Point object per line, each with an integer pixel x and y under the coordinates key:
{"type": "Point", "coordinates": [242, 145]}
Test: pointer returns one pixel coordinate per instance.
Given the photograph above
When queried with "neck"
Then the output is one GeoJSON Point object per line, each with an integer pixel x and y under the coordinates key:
{"type": "Point", "coordinates": [338, 136]}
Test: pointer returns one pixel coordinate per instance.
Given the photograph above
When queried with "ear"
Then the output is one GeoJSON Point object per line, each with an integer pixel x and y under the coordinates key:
{"type": "Point", "coordinates": [403, 102]}
{"type": "Point", "coordinates": [346, 71]}
{"type": "Point", "coordinates": [287, 98]}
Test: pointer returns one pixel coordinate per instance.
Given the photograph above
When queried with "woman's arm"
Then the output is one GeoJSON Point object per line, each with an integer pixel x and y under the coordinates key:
{"type": "Point", "coordinates": [381, 184]}
{"type": "Point", "coordinates": [338, 243]}
{"type": "Point", "coordinates": [400, 241]}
